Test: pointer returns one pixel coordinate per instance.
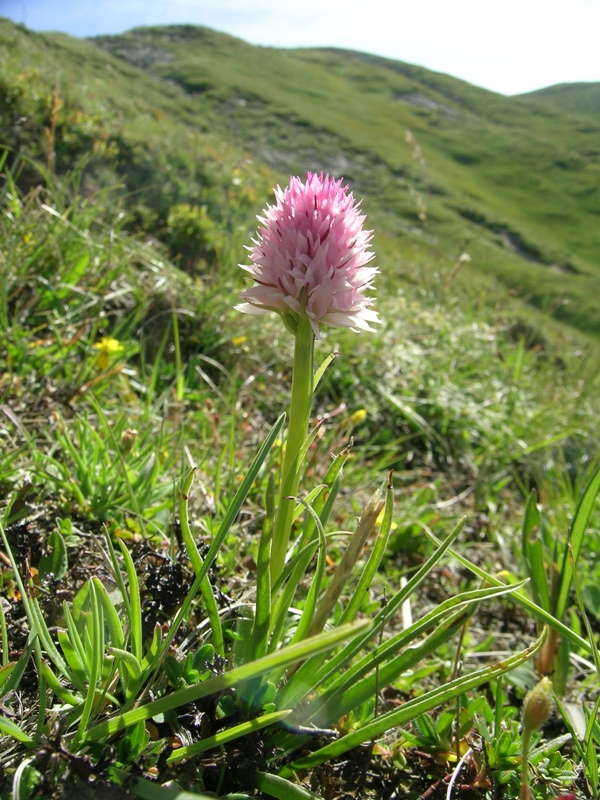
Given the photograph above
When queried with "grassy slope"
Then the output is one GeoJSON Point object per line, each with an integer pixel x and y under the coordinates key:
{"type": "Point", "coordinates": [578, 99]}
{"type": "Point", "coordinates": [492, 163]}
{"type": "Point", "coordinates": [514, 184]}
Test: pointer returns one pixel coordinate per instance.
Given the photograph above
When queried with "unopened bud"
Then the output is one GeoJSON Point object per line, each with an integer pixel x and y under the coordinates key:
{"type": "Point", "coordinates": [537, 705]}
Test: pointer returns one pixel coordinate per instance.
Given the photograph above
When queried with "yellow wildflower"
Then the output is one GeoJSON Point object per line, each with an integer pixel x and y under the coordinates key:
{"type": "Point", "coordinates": [107, 347]}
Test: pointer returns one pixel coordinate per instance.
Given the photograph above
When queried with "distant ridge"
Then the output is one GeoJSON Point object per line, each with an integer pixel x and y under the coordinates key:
{"type": "Point", "coordinates": [575, 98]}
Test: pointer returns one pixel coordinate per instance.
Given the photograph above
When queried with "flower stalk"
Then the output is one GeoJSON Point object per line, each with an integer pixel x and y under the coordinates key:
{"type": "Point", "coordinates": [309, 262]}
{"type": "Point", "coordinates": [536, 710]}
{"type": "Point", "coordinates": [300, 407]}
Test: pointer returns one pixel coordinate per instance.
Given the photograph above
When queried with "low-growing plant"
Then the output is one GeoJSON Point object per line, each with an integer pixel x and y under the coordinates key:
{"type": "Point", "coordinates": [303, 655]}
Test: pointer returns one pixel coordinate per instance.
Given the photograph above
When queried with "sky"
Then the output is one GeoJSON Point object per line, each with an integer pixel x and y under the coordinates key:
{"type": "Point", "coordinates": [508, 46]}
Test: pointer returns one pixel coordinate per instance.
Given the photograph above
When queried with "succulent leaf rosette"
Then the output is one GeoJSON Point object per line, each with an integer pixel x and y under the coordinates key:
{"type": "Point", "coordinates": [311, 254]}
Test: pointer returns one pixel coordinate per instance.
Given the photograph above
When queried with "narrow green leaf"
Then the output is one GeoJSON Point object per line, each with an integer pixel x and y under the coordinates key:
{"type": "Point", "coordinates": [570, 726]}
{"type": "Point", "coordinates": [10, 728]}
{"type": "Point", "coordinates": [310, 604]}
{"type": "Point", "coordinates": [321, 371]}
{"type": "Point", "coordinates": [18, 669]}
{"type": "Point", "coordinates": [275, 786]}
{"type": "Point", "coordinates": [446, 619]}
{"type": "Point", "coordinates": [131, 663]}
{"type": "Point", "coordinates": [210, 603]}
{"type": "Point", "coordinates": [281, 606]}
{"type": "Point", "coordinates": [355, 692]}
{"type": "Point", "coordinates": [117, 573]}
{"type": "Point", "coordinates": [547, 748]}
{"type": "Point", "coordinates": [262, 618]}
{"type": "Point", "coordinates": [414, 708]}
{"type": "Point", "coordinates": [282, 658]}
{"type": "Point", "coordinates": [576, 536]}
{"type": "Point", "coordinates": [298, 567]}
{"type": "Point", "coordinates": [80, 602]}
{"type": "Point", "coordinates": [135, 620]}
{"type": "Point", "coordinates": [185, 486]}
{"type": "Point", "coordinates": [95, 622]}
{"type": "Point", "coordinates": [537, 611]}
{"type": "Point", "coordinates": [43, 633]}
{"type": "Point", "coordinates": [315, 673]}
{"type": "Point", "coordinates": [229, 735]}
{"type": "Point", "coordinates": [154, 647]}
{"type": "Point", "coordinates": [6, 671]}
{"type": "Point", "coordinates": [74, 273]}
{"type": "Point", "coordinates": [59, 690]}
{"type": "Point", "coordinates": [533, 553]}
{"type": "Point", "coordinates": [111, 616]}
{"type": "Point", "coordinates": [79, 675]}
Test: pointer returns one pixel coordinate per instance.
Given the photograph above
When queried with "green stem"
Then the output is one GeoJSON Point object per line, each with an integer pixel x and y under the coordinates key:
{"type": "Point", "coordinates": [302, 393]}
{"type": "Point", "coordinates": [525, 792]}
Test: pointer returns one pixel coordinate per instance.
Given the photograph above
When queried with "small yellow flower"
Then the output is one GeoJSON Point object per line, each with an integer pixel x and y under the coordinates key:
{"type": "Point", "coordinates": [358, 417]}
{"type": "Point", "coordinates": [107, 347]}
{"type": "Point", "coordinates": [237, 340]}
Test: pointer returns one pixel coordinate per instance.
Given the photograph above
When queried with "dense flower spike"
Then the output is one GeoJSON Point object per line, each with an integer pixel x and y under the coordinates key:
{"type": "Point", "coordinates": [311, 250]}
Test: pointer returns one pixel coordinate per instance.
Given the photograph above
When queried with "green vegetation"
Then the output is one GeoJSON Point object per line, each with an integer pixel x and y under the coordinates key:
{"type": "Point", "coordinates": [141, 432]}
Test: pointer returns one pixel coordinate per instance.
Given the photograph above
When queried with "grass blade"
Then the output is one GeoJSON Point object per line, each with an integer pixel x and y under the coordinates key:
{"type": "Point", "coordinates": [275, 786]}
{"type": "Point", "coordinates": [537, 611]}
{"type": "Point", "coordinates": [315, 673]}
{"type": "Point", "coordinates": [10, 728]}
{"type": "Point", "coordinates": [533, 552]}
{"type": "Point", "coordinates": [210, 603]}
{"type": "Point", "coordinates": [135, 618]}
{"type": "Point", "coordinates": [576, 534]}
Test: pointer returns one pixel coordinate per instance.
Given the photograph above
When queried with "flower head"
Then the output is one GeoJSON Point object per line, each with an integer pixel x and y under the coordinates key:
{"type": "Point", "coordinates": [107, 347]}
{"type": "Point", "coordinates": [310, 254]}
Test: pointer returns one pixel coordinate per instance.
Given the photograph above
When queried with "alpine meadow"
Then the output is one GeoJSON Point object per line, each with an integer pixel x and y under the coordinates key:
{"type": "Point", "coordinates": [304, 506]}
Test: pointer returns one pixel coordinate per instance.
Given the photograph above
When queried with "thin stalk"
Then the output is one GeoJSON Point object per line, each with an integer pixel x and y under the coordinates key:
{"type": "Point", "coordinates": [525, 793]}
{"type": "Point", "coordinates": [301, 403]}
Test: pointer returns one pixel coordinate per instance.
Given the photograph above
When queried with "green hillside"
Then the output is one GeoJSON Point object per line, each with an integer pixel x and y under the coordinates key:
{"type": "Point", "coordinates": [519, 184]}
{"type": "Point", "coordinates": [511, 182]}
{"type": "Point", "coordinates": [577, 99]}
